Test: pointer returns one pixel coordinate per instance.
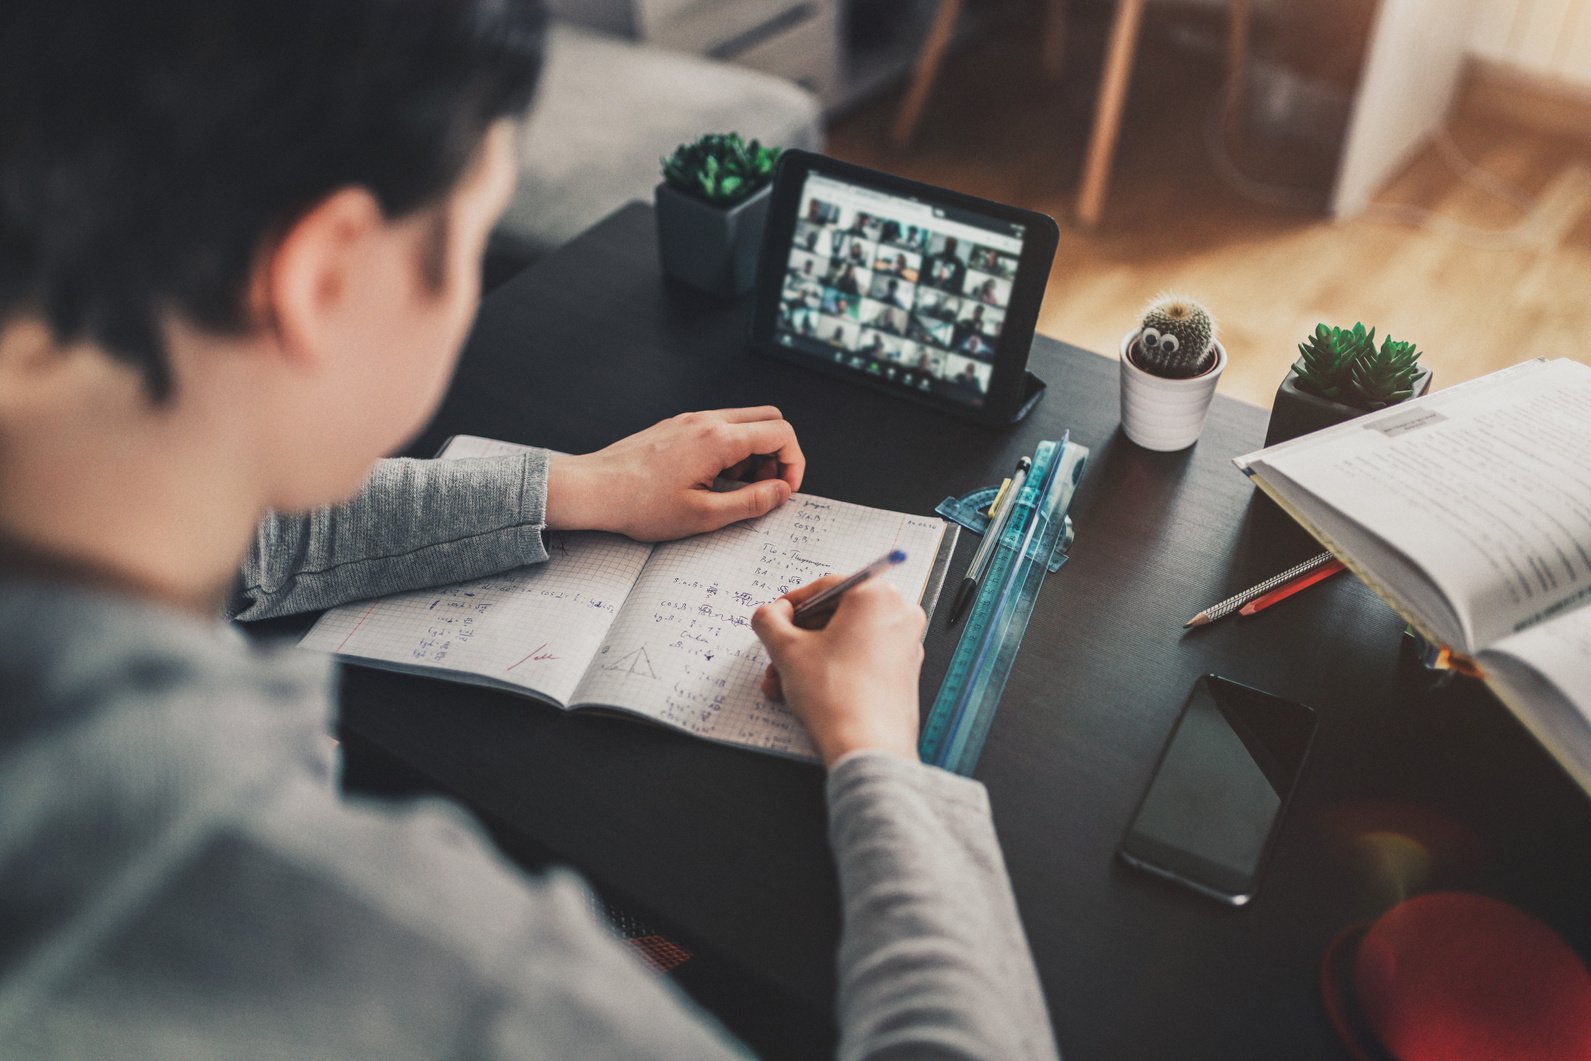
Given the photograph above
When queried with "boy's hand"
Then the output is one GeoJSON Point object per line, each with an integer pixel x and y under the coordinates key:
{"type": "Point", "coordinates": [854, 682]}
{"type": "Point", "coordinates": [658, 484]}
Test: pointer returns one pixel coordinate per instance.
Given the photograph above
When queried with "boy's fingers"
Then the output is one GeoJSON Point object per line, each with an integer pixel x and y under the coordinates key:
{"type": "Point", "coordinates": [773, 438]}
{"type": "Point", "coordinates": [749, 413]}
{"type": "Point", "coordinates": [736, 442]}
{"type": "Point", "coordinates": [773, 688]}
{"type": "Point", "coordinates": [753, 469]}
{"type": "Point", "coordinates": [748, 502]}
{"type": "Point", "coordinates": [801, 593]}
{"type": "Point", "coordinates": [741, 471]}
{"type": "Point", "coordinates": [772, 622]}
{"type": "Point", "coordinates": [792, 473]}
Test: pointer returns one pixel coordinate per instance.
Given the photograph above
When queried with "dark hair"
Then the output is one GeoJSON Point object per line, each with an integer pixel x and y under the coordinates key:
{"type": "Point", "coordinates": [150, 149]}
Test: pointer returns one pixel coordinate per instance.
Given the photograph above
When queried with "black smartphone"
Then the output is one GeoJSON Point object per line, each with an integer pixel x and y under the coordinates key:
{"type": "Point", "coordinates": [1224, 779]}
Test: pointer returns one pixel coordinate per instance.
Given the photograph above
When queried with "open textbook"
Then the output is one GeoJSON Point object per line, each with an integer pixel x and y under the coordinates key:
{"type": "Point", "coordinates": [1469, 511]}
{"type": "Point", "coordinates": [661, 631]}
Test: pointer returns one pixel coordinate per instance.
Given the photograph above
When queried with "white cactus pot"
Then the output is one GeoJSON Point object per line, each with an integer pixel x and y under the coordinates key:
{"type": "Point", "coordinates": [1165, 414]}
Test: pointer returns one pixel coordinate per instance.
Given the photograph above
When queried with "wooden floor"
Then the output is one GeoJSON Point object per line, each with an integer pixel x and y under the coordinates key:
{"type": "Point", "coordinates": [996, 128]}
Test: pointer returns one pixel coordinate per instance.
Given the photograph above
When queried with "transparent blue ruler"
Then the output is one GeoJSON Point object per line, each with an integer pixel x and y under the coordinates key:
{"type": "Point", "coordinates": [963, 712]}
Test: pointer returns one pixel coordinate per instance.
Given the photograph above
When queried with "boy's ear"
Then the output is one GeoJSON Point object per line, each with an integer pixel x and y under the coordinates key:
{"type": "Point", "coordinates": [306, 278]}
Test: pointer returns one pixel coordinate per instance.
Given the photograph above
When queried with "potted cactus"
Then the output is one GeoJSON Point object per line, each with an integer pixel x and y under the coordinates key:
{"type": "Point", "coordinates": [711, 208]}
{"type": "Point", "coordinates": [1340, 374]}
{"type": "Point", "coordinates": [1170, 364]}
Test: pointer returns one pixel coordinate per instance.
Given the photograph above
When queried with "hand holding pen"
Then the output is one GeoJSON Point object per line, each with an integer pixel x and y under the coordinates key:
{"type": "Point", "coordinates": [813, 612]}
{"type": "Point", "coordinates": [853, 681]}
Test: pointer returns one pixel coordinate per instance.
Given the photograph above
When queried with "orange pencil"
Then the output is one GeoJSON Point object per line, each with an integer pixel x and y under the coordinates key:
{"type": "Point", "coordinates": [1286, 590]}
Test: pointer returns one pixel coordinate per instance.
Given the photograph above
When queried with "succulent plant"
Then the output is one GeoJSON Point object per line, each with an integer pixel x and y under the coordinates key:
{"type": "Point", "coordinates": [720, 168]}
{"type": "Point", "coordinates": [1345, 366]}
{"type": "Point", "coordinates": [1177, 339]}
{"type": "Point", "coordinates": [1386, 376]}
{"type": "Point", "coordinates": [1325, 363]}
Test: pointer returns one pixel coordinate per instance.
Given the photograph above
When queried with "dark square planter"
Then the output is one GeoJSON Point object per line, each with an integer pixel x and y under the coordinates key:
{"type": "Point", "coordinates": [709, 247]}
{"type": "Point", "coordinates": [1297, 412]}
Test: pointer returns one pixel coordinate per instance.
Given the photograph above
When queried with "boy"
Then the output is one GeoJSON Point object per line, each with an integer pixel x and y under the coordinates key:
{"type": "Point", "coordinates": [239, 251]}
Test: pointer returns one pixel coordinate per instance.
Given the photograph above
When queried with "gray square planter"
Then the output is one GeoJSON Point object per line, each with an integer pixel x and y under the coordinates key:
{"type": "Point", "coordinates": [707, 246]}
{"type": "Point", "coordinates": [1298, 412]}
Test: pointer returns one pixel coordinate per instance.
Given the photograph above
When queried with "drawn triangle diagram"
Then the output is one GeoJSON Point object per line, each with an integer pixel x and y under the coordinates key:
{"type": "Point", "coordinates": [635, 663]}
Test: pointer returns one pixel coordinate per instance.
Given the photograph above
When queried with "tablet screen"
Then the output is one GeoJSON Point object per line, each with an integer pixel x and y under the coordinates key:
{"type": "Point", "coordinates": [912, 294]}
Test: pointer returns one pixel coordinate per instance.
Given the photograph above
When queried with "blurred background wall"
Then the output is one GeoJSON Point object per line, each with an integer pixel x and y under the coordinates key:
{"type": "Point", "coordinates": [1423, 166]}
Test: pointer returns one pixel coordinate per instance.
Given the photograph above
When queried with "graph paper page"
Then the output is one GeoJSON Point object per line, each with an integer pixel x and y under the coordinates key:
{"type": "Point", "coordinates": [682, 651]}
{"type": "Point", "coordinates": [533, 628]}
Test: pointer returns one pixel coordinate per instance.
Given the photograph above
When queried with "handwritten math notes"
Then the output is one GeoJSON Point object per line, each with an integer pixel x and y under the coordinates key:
{"type": "Point", "coordinates": [660, 631]}
{"type": "Point", "coordinates": [682, 650]}
{"type": "Point", "coordinates": [533, 628]}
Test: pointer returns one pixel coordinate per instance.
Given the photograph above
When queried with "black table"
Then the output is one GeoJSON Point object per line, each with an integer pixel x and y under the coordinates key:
{"type": "Point", "coordinates": [1406, 790]}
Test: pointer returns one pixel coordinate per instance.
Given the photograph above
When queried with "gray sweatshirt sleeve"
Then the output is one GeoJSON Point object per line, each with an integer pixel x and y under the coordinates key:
{"type": "Point", "coordinates": [414, 523]}
{"type": "Point", "coordinates": [933, 960]}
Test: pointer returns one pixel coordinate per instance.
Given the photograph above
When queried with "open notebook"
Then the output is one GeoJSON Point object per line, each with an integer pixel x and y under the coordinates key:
{"type": "Point", "coordinates": [661, 631]}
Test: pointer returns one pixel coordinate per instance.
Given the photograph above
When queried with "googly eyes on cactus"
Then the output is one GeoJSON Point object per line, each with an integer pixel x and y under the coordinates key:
{"type": "Point", "coordinates": [1177, 339]}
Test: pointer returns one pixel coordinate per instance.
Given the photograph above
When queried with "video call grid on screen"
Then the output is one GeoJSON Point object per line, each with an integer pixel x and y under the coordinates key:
{"type": "Point", "coordinates": [895, 289]}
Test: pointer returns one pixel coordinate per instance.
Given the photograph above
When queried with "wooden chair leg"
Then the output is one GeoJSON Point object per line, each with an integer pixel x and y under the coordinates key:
{"type": "Point", "coordinates": [1237, 45]}
{"type": "Point", "coordinates": [1054, 38]}
{"type": "Point", "coordinates": [926, 69]}
{"type": "Point", "coordinates": [1107, 112]}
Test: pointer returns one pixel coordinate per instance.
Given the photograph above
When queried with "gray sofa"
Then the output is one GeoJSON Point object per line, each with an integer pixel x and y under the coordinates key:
{"type": "Point", "coordinates": [608, 109]}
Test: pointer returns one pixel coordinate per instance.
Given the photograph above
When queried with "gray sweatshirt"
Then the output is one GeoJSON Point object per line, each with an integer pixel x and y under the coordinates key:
{"type": "Point", "coordinates": [179, 877]}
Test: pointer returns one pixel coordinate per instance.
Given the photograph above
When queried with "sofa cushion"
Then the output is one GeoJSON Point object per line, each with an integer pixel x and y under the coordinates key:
{"type": "Point", "coordinates": [608, 110]}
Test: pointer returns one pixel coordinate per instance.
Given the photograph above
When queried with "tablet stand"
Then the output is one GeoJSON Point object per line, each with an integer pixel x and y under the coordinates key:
{"type": "Point", "coordinates": [1032, 390]}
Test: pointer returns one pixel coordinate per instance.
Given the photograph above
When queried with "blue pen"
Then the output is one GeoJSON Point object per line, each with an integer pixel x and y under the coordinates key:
{"type": "Point", "coordinates": [815, 611]}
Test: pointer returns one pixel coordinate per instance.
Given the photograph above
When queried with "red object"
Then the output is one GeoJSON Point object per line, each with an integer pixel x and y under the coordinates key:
{"type": "Point", "coordinates": [660, 952]}
{"type": "Point", "coordinates": [1287, 589]}
{"type": "Point", "coordinates": [1458, 977]}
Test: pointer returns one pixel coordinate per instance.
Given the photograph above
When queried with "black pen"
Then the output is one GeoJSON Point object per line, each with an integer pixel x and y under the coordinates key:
{"type": "Point", "coordinates": [815, 611]}
{"type": "Point", "coordinates": [991, 535]}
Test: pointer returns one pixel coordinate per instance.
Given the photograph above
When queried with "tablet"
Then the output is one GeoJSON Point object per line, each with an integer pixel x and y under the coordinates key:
{"type": "Point", "coordinates": [927, 293]}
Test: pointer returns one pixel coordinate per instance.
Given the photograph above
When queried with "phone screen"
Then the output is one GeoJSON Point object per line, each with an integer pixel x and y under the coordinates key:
{"type": "Point", "coordinates": [1217, 797]}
